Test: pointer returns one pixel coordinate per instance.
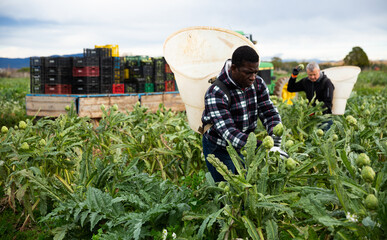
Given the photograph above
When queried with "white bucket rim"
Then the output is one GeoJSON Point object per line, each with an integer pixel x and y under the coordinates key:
{"type": "Point", "coordinates": [208, 28]}
{"type": "Point", "coordinates": [354, 72]}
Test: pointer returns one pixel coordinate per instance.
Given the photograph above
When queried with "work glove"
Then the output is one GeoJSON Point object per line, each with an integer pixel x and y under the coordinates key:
{"type": "Point", "coordinates": [277, 147]}
{"type": "Point", "coordinates": [277, 140]}
{"type": "Point", "coordinates": [282, 153]}
{"type": "Point", "coordinates": [297, 70]}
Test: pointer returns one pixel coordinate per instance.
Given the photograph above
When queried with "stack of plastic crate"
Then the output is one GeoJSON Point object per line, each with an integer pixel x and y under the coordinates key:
{"type": "Point", "coordinates": [170, 82]}
{"type": "Point", "coordinates": [141, 73]}
{"type": "Point", "coordinates": [110, 69]}
{"type": "Point", "coordinates": [86, 73]}
{"type": "Point", "coordinates": [129, 81]}
{"type": "Point", "coordinates": [113, 49]}
{"type": "Point", "coordinates": [118, 85]}
{"type": "Point", "coordinates": [107, 78]}
{"type": "Point", "coordinates": [82, 65]}
{"type": "Point", "coordinates": [37, 74]}
{"type": "Point", "coordinates": [133, 74]}
{"type": "Point", "coordinates": [58, 75]}
{"type": "Point", "coordinates": [159, 74]}
{"type": "Point", "coordinates": [124, 69]}
{"type": "Point", "coordinates": [146, 73]}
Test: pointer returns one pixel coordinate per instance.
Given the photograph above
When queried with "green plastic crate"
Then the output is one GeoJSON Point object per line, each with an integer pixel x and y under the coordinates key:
{"type": "Point", "coordinates": [149, 87]}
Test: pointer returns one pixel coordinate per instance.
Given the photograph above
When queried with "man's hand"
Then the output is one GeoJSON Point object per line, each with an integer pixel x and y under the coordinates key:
{"type": "Point", "coordinates": [277, 147]}
{"type": "Point", "coordinates": [282, 153]}
{"type": "Point", "coordinates": [297, 70]}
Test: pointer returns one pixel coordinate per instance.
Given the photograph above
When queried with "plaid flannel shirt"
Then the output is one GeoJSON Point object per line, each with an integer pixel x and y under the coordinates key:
{"type": "Point", "coordinates": [237, 122]}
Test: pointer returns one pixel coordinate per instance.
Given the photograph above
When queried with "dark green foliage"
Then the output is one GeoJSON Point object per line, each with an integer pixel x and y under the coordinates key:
{"type": "Point", "coordinates": [12, 100]}
{"type": "Point", "coordinates": [141, 205]}
{"type": "Point", "coordinates": [357, 57]}
{"type": "Point", "coordinates": [139, 175]}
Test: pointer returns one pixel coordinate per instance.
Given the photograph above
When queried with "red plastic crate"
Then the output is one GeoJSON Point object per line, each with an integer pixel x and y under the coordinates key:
{"type": "Point", "coordinates": [167, 68]}
{"type": "Point", "coordinates": [86, 71]}
{"type": "Point", "coordinates": [118, 88]}
{"type": "Point", "coordinates": [169, 86]}
{"type": "Point", "coordinates": [57, 89]}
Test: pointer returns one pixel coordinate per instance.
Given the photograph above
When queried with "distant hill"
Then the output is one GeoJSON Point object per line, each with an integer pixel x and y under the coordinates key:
{"type": "Point", "coordinates": [268, 59]}
{"type": "Point", "coordinates": [25, 62]}
{"type": "Point", "coordinates": [14, 62]}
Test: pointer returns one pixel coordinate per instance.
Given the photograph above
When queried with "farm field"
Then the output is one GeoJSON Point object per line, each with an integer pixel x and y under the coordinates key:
{"type": "Point", "coordinates": [141, 175]}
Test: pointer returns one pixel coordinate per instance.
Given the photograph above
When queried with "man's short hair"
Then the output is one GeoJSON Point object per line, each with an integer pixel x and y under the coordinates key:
{"type": "Point", "coordinates": [244, 53]}
{"type": "Point", "coordinates": [312, 66]}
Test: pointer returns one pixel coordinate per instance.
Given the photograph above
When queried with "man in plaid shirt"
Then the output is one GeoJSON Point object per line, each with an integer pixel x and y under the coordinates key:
{"type": "Point", "coordinates": [234, 119]}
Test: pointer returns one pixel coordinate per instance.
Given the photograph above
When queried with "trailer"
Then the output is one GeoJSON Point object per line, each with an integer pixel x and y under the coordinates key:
{"type": "Point", "coordinates": [46, 105]}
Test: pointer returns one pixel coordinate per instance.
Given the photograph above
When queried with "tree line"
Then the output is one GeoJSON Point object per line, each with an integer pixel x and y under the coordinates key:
{"type": "Point", "coordinates": [356, 57]}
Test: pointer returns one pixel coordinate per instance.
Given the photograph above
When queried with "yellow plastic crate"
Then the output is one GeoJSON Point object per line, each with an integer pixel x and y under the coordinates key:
{"type": "Point", "coordinates": [114, 48]}
{"type": "Point", "coordinates": [126, 73]}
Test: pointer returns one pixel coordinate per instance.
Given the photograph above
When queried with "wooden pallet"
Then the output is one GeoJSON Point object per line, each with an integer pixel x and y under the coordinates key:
{"type": "Point", "coordinates": [171, 101]}
{"type": "Point", "coordinates": [49, 106]}
{"type": "Point", "coordinates": [90, 105]}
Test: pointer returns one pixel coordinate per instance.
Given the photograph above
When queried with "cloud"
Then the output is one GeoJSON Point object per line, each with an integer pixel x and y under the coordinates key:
{"type": "Point", "coordinates": [291, 29]}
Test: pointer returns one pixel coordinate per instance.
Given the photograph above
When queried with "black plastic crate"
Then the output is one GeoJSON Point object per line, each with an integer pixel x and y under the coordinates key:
{"type": "Point", "coordinates": [136, 71]}
{"type": "Point", "coordinates": [85, 61]}
{"type": "Point", "coordinates": [86, 89]}
{"type": "Point", "coordinates": [131, 87]}
{"type": "Point", "coordinates": [118, 81]}
{"type": "Point", "coordinates": [85, 80]}
{"type": "Point", "coordinates": [106, 61]}
{"type": "Point", "coordinates": [145, 79]}
{"type": "Point", "coordinates": [147, 70]}
{"type": "Point", "coordinates": [107, 79]}
{"type": "Point", "coordinates": [104, 52]}
{"type": "Point", "coordinates": [169, 77]}
{"type": "Point", "coordinates": [106, 88]}
{"type": "Point", "coordinates": [90, 52]}
{"type": "Point", "coordinates": [37, 61]}
{"type": "Point", "coordinates": [37, 88]}
{"type": "Point", "coordinates": [58, 62]}
{"type": "Point", "coordinates": [52, 71]}
{"type": "Point", "coordinates": [140, 71]}
{"type": "Point", "coordinates": [97, 52]}
{"type": "Point", "coordinates": [36, 70]}
{"type": "Point", "coordinates": [58, 79]}
{"type": "Point", "coordinates": [122, 62]}
{"type": "Point", "coordinates": [132, 63]}
{"type": "Point", "coordinates": [149, 79]}
{"type": "Point", "coordinates": [146, 62]}
{"type": "Point", "coordinates": [36, 79]}
{"type": "Point", "coordinates": [159, 78]}
{"type": "Point", "coordinates": [144, 87]}
{"type": "Point", "coordinates": [107, 71]}
{"type": "Point", "coordinates": [159, 64]}
{"type": "Point", "coordinates": [160, 87]}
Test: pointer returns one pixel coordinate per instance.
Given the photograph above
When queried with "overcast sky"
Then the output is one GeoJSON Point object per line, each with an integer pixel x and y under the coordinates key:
{"type": "Point", "coordinates": [297, 29]}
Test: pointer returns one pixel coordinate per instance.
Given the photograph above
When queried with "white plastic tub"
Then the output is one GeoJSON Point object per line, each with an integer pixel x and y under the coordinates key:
{"type": "Point", "coordinates": [343, 78]}
{"type": "Point", "coordinates": [195, 55]}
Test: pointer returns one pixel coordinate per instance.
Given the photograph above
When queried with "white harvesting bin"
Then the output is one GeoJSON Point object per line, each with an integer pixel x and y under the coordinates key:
{"type": "Point", "coordinates": [195, 55]}
{"type": "Point", "coordinates": [343, 78]}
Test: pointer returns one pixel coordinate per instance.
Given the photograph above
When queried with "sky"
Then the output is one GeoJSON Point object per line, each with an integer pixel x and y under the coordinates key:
{"type": "Point", "coordinates": [297, 29]}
